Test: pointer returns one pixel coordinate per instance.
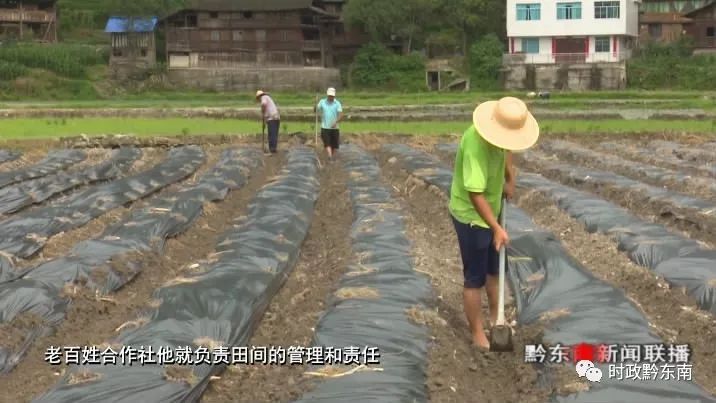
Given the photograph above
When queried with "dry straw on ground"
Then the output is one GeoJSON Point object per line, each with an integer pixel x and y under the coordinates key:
{"type": "Point", "coordinates": [208, 342]}
{"type": "Point", "coordinates": [554, 314]}
{"type": "Point", "coordinates": [154, 303]}
{"type": "Point", "coordinates": [361, 270]}
{"type": "Point", "coordinates": [179, 281]}
{"type": "Point", "coordinates": [139, 322]}
{"type": "Point", "coordinates": [337, 372]}
{"type": "Point", "coordinates": [425, 316]}
{"type": "Point", "coordinates": [180, 374]}
{"type": "Point", "coordinates": [83, 376]}
{"type": "Point", "coordinates": [357, 293]}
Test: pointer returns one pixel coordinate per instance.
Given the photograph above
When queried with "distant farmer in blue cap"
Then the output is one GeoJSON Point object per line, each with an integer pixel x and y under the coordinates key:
{"type": "Point", "coordinates": [331, 112]}
{"type": "Point", "coordinates": [483, 175]}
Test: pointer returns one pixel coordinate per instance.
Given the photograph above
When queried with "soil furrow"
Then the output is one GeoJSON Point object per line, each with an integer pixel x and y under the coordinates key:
{"type": "Point", "coordinates": [456, 371]}
{"type": "Point", "coordinates": [682, 220]}
{"type": "Point", "coordinates": [59, 244]}
{"type": "Point", "coordinates": [700, 187]}
{"type": "Point", "coordinates": [92, 322]}
{"type": "Point", "coordinates": [684, 152]}
{"type": "Point", "coordinates": [294, 311]}
{"type": "Point", "coordinates": [673, 315]}
{"type": "Point", "coordinates": [638, 153]}
{"type": "Point", "coordinates": [28, 158]}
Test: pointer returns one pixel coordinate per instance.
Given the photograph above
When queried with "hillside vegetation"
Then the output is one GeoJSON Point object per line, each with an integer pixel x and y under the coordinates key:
{"type": "Point", "coordinates": [470, 31]}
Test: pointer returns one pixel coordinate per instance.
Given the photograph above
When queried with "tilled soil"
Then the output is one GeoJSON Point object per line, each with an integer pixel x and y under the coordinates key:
{"type": "Point", "coordinates": [694, 186]}
{"type": "Point", "coordinates": [673, 315]}
{"type": "Point", "coordinates": [691, 153]}
{"type": "Point", "coordinates": [28, 158]}
{"type": "Point", "coordinates": [14, 332]}
{"type": "Point", "coordinates": [295, 310]}
{"type": "Point", "coordinates": [632, 151]}
{"type": "Point", "coordinates": [680, 220]}
{"type": "Point", "coordinates": [457, 372]}
{"type": "Point", "coordinates": [91, 321]}
{"type": "Point", "coordinates": [60, 244]}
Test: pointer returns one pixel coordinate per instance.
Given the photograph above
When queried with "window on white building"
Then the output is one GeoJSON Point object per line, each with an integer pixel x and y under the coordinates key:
{"type": "Point", "coordinates": [569, 11]}
{"type": "Point", "coordinates": [528, 12]}
{"type": "Point", "coordinates": [602, 44]}
{"type": "Point", "coordinates": [606, 9]}
{"type": "Point", "coordinates": [530, 45]}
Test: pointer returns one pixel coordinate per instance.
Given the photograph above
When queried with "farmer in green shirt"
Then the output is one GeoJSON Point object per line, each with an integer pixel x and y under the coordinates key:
{"type": "Point", "coordinates": [483, 174]}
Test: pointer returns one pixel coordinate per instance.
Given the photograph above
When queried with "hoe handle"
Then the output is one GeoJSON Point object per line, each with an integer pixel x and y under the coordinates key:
{"type": "Point", "coordinates": [501, 298]}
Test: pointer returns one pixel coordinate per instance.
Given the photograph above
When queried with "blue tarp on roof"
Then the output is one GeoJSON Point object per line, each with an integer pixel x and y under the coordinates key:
{"type": "Point", "coordinates": [121, 24]}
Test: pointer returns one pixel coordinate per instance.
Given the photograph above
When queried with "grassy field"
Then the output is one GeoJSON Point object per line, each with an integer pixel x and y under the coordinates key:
{"type": "Point", "coordinates": [47, 128]}
{"type": "Point", "coordinates": [572, 100]}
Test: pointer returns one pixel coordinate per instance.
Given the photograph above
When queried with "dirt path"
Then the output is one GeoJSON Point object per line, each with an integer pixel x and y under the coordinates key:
{"type": "Point", "coordinates": [673, 315]}
{"type": "Point", "coordinates": [456, 372]}
{"type": "Point", "coordinates": [295, 310]}
{"type": "Point", "coordinates": [91, 322]}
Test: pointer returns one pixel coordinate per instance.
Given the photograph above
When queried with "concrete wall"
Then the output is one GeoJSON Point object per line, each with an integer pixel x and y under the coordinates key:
{"type": "Point", "coordinates": [251, 79]}
{"type": "Point", "coordinates": [574, 77]}
{"type": "Point", "coordinates": [618, 50]}
{"type": "Point", "coordinates": [549, 25]}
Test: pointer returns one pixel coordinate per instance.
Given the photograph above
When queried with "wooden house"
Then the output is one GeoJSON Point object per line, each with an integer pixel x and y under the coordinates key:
{"type": "Point", "coordinates": [34, 20]}
{"type": "Point", "coordinates": [133, 42]}
{"type": "Point", "coordinates": [230, 34]}
{"type": "Point", "coordinates": [346, 40]}
{"type": "Point", "coordinates": [701, 28]}
{"type": "Point", "coordinates": [662, 27]}
{"type": "Point", "coordinates": [667, 21]}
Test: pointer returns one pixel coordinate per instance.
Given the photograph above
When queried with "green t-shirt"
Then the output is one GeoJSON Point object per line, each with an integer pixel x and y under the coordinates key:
{"type": "Point", "coordinates": [479, 168]}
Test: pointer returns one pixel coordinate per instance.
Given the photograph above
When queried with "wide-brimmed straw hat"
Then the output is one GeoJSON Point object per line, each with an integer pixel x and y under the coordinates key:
{"type": "Point", "coordinates": [259, 93]}
{"type": "Point", "coordinates": [506, 124]}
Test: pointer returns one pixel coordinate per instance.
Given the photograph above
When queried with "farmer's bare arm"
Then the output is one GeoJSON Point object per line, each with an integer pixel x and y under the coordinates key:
{"type": "Point", "coordinates": [510, 176]}
{"type": "Point", "coordinates": [483, 208]}
{"type": "Point", "coordinates": [499, 234]}
{"type": "Point", "coordinates": [509, 168]}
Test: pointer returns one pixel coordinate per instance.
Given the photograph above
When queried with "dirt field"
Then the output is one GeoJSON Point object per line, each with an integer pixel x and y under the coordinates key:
{"type": "Point", "coordinates": [454, 371]}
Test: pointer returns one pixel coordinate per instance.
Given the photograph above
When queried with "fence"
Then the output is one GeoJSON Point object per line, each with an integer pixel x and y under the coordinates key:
{"type": "Point", "coordinates": [566, 58]}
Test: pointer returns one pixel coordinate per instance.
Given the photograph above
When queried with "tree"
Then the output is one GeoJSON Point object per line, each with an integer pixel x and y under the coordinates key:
{"type": "Point", "coordinates": [136, 8]}
{"type": "Point", "coordinates": [470, 19]}
{"type": "Point", "coordinates": [485, 61]}
{"type": "Point", "coordinates": [386, 20]}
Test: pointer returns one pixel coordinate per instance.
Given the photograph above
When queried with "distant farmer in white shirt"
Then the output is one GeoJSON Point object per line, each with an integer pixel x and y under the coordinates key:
{"type": "Point", "coordinates": [331, 112]}
{"type": "Point", "coordinates": [271, 117]}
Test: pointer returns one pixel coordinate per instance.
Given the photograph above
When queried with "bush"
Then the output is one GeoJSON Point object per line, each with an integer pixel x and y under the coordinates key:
{"type": "Point", "coordinates": [63, 59]}
{"type": "Point", "coordinates": [485, 62]}
{"type": "Point", "coordinates": [377, 67]}
{"type": "Point", "coordinates": [10, 71]}
{"type": "Point", "coordinates": [671, 66]}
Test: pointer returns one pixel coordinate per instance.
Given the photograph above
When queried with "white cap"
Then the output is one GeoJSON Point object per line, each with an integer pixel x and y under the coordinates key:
{"type": "Point", "coordinates": [331, 92]}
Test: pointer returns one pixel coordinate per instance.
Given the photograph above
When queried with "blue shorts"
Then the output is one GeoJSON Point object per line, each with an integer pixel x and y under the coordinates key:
{"type": "Point", "coordinates": [479, 257]}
